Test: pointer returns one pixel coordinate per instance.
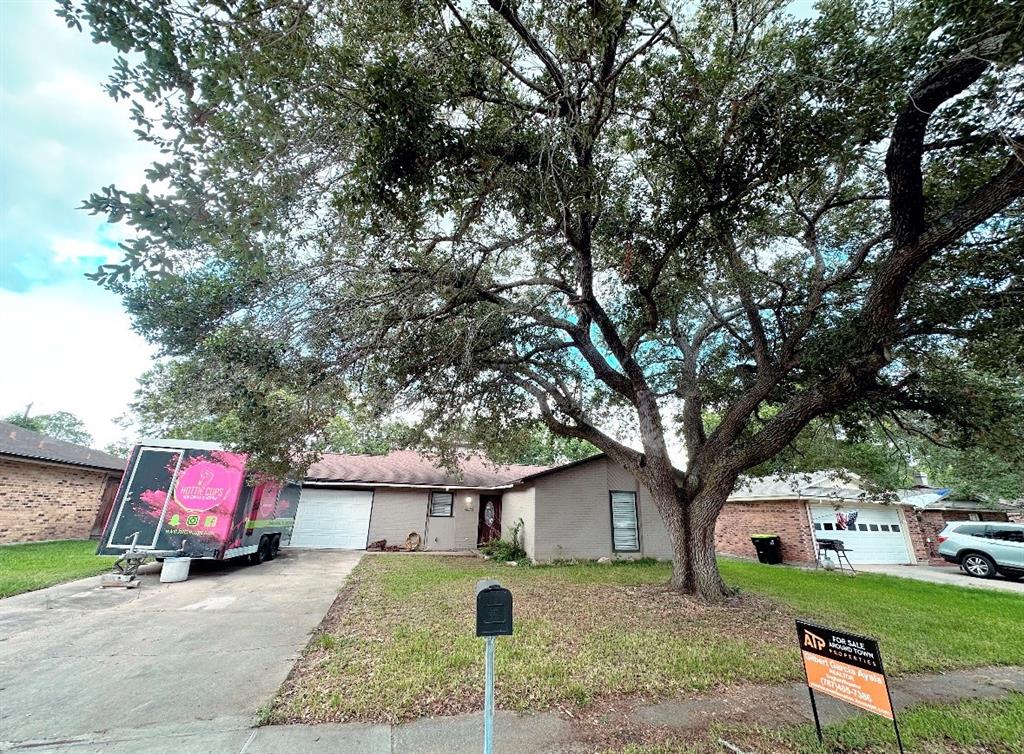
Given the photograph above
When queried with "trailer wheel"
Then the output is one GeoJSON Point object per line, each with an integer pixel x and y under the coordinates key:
{"type": "Point", "coordinates": [262, 551]}
{"type": "Point", "coordinates": [275, 546]}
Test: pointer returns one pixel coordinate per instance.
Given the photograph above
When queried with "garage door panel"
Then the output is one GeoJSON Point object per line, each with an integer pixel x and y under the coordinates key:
{"type": "Point", "coordinates": [874, 535]}
{"type": "Point", "coordinates": [332, 519]}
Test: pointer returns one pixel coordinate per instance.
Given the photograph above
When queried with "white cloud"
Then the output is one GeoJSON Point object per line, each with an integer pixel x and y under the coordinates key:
{"type": "Point", "coordinates": [70, 347]}
{"type": "Point", "coordinates": [74, 249]}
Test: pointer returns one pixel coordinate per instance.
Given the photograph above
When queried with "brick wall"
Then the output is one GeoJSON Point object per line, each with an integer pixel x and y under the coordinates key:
{"type": "Point", "coordinates": [787, 518]}
{"type": "Point", "coordinates": [919, 528]}
{"type": "Point", "coordinates": [41, 501]}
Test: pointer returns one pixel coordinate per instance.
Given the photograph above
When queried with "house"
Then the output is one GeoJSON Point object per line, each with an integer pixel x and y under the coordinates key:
{"type": "Point", "coordinates": [50, 489]}
{"type": "Point", "coordinates": [594, 508]}
{"type": "Point", "coordinates": [586, 509]}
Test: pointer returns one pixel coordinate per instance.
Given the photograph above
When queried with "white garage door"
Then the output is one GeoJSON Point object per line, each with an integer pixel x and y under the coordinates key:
{"type": "Point", "coordinates": [334, 519]}
{"type": "Point", "coordinates": [870, 534]}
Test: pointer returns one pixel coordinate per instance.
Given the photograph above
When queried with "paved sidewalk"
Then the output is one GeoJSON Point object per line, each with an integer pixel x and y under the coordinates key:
{"type": "Point", "coordinates": [945, 575]}
{"type": "Point", "coordinates": [546, 733]}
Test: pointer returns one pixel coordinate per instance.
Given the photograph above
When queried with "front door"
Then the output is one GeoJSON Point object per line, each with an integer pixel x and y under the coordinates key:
{"type": "Point", "coordinates": [490, 519]}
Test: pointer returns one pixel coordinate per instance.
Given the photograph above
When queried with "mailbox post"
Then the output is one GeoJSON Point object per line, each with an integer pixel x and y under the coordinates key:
{"type": "Point", "coordinates": [493, 618]}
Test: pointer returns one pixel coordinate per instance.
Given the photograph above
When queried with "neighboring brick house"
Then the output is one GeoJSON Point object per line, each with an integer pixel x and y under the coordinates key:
{"type": "Point", "coordinates": [50, 489]}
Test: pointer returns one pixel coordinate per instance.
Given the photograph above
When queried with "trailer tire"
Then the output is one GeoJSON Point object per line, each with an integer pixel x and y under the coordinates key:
{"type": "Point", "coordinates": [262, 550]}
{"type": "Point", "coordinates": [275, 546]}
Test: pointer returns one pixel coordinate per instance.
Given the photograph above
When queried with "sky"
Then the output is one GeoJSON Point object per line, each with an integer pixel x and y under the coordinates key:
{"type": "Point", "coordinates": [66, 344]}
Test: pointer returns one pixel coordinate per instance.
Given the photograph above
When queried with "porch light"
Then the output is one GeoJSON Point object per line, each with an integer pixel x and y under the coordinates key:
{"type": "Point", "coordinates": [469, 503]}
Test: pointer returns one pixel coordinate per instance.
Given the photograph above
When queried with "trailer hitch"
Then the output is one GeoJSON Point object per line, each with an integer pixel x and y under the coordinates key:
{"type": "Point", "coordinates": [126, 568]}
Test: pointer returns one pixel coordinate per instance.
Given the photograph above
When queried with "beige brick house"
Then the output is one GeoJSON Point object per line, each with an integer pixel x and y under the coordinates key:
{"type": "Point", "coordinates": [594, 508]}
{"type": "Point", "coordinates": [50, 489]}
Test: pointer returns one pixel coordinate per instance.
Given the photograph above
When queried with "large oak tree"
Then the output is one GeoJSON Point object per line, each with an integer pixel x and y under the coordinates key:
{"type": "Point", "coordinates": [605, 214]}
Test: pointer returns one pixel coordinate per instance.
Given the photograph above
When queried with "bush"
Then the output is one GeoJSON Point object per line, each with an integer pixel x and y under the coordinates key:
{"type": "Point", "coordinates": [504, 550]}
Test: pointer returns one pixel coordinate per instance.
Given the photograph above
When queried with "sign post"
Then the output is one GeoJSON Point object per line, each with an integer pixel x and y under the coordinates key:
{"type": "Point", "coordinates": [493, 619]}
{"type": "Point", "coordinates": [846, 667]}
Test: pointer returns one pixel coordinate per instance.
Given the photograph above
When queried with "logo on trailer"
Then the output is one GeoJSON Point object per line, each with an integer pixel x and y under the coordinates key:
{"type": "Point", "coordinates": [205, 485]}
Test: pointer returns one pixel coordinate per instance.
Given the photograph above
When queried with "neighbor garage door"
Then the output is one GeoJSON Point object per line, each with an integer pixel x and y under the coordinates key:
{"type": "Point", "coordinates": [335, 519]}
{"type": "Point", "coordinates": [872, 534]}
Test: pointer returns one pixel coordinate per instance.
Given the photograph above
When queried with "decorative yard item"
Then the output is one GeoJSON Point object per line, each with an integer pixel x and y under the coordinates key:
{"type": "Point", "coordinates": [707, 222]}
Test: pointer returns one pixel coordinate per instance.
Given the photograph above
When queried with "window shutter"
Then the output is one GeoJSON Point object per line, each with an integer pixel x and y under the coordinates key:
{"type": "Point", "coordinates": [625, 529]}
{"type": "Point", "coordinates": [441, 504]}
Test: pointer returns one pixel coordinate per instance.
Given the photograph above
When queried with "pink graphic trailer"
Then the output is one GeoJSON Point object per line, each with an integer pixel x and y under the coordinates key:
{"type": "Point", "coordinates": [194, 498]}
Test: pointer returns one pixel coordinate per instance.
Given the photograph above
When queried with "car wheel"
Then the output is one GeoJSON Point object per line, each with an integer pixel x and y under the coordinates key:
{"type": "Point", "coordinates": [978, 565]}
{"type": "Point", "coordinates": [261, 553]}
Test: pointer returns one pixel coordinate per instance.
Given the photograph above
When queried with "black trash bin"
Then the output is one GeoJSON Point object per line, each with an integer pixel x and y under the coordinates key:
{"type": "Point", "coordinates": [769, 548]}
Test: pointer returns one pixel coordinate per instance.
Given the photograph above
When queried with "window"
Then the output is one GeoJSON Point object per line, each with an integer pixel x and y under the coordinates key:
{"type": "Point", "coordinates": [829, 527]}
{"type": "Point", "coordinates": [862, 527]}
{"type": "Point", "coordinates": [873, 527]}
{"type": "Point", "coordinates": [1007, 534]}
{"type": "Point", "coordinates": [818, 527]}
{"type": "Point", "coordinates": [625, 528]}
{"type": "Point", "coordinates": [895, 527]}
{"type": "Point", "coordinates": [883, 527]}
{"type": "Point", "coordinates": [441, 504]}
{"type": "Point", "coordinates": [971, 530]}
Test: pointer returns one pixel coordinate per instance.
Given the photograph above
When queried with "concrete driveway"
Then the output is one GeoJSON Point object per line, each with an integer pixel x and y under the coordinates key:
{"type": "Point", "coordinates": [945, 575]}
{"type": "Point", "coordinates": [165, 667]}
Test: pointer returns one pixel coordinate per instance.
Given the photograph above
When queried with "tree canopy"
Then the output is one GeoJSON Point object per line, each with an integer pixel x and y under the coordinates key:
{"type": "Point", "coordinates": [60, 425]}
{"type": "Point", "coordinates": [612, 217]}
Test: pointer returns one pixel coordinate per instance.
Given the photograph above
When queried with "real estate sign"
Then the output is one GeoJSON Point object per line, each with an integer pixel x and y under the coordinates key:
{"type": "Point", "coordinates": [844, 666]}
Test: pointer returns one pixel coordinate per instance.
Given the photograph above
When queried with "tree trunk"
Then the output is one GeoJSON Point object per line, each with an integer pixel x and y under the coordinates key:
{"type": "Point", "coordinates": [691, 529]}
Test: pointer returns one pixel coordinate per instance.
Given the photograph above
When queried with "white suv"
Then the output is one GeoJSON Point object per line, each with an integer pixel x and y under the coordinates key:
{"type": "Point", "coordinates": [983, 549]}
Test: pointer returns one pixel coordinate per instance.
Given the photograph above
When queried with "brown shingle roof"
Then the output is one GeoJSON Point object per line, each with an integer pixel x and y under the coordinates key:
{"type": "Point", "coordinates": [24, 443]}
{"type": "Point", "coordinates": [401, 467]}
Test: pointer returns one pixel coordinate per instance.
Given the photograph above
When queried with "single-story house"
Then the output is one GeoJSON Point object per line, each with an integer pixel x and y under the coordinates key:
{"type": "Point", "coordinates": [594, 508]}
{"type": "Point", "coordinates": [51, 489]}
{"type": "Point", "coordinates": [896, 527]}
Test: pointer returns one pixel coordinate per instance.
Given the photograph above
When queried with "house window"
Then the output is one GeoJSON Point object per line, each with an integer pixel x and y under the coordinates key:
{"type": "Point", "coordinates": [873, 527]}
{"type": "Point", "coordinates": [817, 527]}
{"type": "Point", "coordinates": [625, 527]}
{"type": "Point", "coordinates": [441, 504]}
{"type": "Point", "coordinates": [895, 527]}
{"type": "Point", "coordinates": [862, 527]}
{"type": "Point", "coordinates": [829, 527]}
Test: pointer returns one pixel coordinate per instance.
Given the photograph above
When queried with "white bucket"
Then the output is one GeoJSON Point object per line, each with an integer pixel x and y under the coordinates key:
{"type": "Point", "coordinates": [175, 569]}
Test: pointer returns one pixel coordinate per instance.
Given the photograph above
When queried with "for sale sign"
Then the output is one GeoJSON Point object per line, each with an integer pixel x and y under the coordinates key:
{"type": "Point", "coordinates": [844, 666]}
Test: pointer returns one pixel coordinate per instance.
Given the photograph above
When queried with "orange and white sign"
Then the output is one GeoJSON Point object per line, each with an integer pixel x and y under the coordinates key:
{"type": "Point", "coordinates": [863, 688]}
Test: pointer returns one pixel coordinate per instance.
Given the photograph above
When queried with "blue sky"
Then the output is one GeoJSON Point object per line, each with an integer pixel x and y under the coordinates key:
{"type": "Point", "coordinates": [67, 344]}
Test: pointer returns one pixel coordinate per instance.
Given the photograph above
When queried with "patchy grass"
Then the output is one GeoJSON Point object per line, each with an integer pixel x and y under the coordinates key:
{"type": "Point", "coordinates": [971, 727]}
{"type": "Point", "coordinates": [24, 568]}
{"type": "Point", "coordinates": [400, 643]}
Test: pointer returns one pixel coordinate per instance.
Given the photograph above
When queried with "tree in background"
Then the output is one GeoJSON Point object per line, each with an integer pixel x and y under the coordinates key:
{"type": "Point", "coordinates": [536, 445]}
{"type": "Point", "coordinates": [888, 456]}
{"type": "Point", "coordinates": [60, 425]}
{"type": "Point", "coordinates": [621, 211]}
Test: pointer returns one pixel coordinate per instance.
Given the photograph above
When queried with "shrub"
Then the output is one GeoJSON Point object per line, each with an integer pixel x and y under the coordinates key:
{"type": "Point", "coordinates": [507, 549]}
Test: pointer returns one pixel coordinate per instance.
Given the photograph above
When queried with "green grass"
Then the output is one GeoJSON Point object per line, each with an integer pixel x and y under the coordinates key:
{"type": "Point", "coordinates": [400, 642]}
{"type": "Point", "coordinates": [24, 568]}
{"type": "Point", "coordinates": [922, 626]}
{"type": "Point", "coordinates": [970, 727]}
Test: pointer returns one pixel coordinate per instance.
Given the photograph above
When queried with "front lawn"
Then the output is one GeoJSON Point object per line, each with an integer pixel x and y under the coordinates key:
{"type": "Point", "coordinates": [399, 642]}
{"type": "Point", "coordinates": [971, 727]}
{"type": "Point", "coordinates": [24, 568]}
